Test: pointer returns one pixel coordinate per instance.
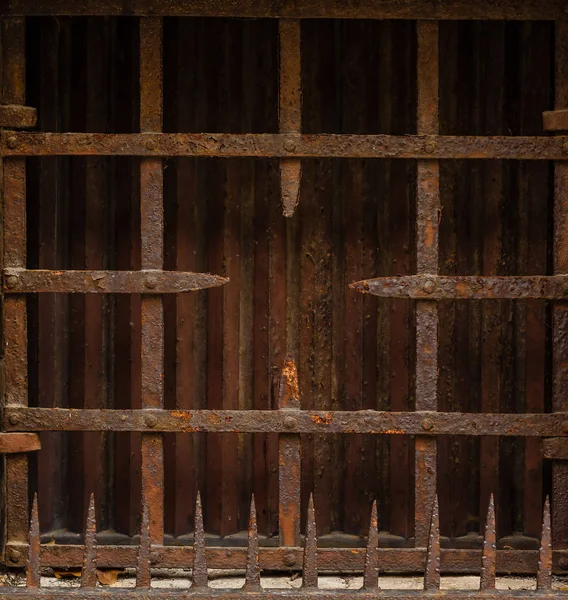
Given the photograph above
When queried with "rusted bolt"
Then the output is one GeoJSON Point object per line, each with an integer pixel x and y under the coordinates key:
{"type": "Point", "coordinates": [564, 147]}
{"type": "Point", "coordinates": [427, 425]}
{"type": "Point", "coordinates": [290, 559]}
{"type": "Point", "coordinates": [14, 555]}
{"type": "Point", "coordinates": [289, 422]}
{"type": "Point", "coordinates": [123, 418]}
{"type": "Point", "coordinates": [151, 282]}
{"type": "Point", "coordinates": [12, 142]}
{"type": "Point", "coordinates": [14, 419]}
{"type": "Point", "coordinates": [151, 421]}
{"type": "Point", "coordinates": [151, 144]}
{"type": "Point", "coordinates": [429, 286]}
{"type": "Point", "coordinates": [11, 281]}
{"type": "Point", "coordinates": [289, 145]}
{"type": "Point", "coordinates": [429, 147]}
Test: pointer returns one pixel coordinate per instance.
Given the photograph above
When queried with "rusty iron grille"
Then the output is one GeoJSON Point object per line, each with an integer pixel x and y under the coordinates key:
{"type": "Point", "coordinates": [155, 285]}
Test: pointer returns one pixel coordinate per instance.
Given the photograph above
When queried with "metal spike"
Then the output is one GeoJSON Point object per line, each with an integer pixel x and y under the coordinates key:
{"type": "Point", "coordinates": [89, 573]}
{"type": "Point", "coordinates": [252, 578]}
{"type": "Point", "coordinates": [143, 575]}
{"type": "Point", "coordinates": [199, 574]}
{"type": "Point", "coordinates": [432, 572]}
{"type": "Point", "coordinates": [544, 573]}
{"type": "Point", "coordinates": [32, 571]}
{"type": "Point", "coordinates": [310, 567]}
{"type": "Point", "coordinates": [290, 179]}
{"type": "Point", "coordinates": [489, 555]}
{"type": "Point", "coordinates": [371, 574]}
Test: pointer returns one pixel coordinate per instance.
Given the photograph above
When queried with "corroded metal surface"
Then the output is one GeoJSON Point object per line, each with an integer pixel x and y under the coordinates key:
{"type": "Point", "coordinates": [304, 421]}
{"type": "Point", "coordinates": [283, 145]}
{"type": "Point", "coordinates": [437, 287]}
{"type": "Point", "coordinates": [555, 120]}
{"type": "Point", "coordinates": [364, 9]}
{"type": "Point", "coordinates": [13, 443]}
{"type": "Point", "coordinates": [15, 116]}
{"type": "Point", "coordinates": [149, 281]}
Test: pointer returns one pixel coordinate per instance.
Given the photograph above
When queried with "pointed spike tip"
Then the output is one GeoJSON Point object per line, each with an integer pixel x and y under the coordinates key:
{"type": "Point", "coordinates": [371, 572]}
{"type": "Point", "coordinates": [544, 573]}
{"type": "Point", "coordinates": [489, 553]}
{"type": "Point", "coordinates": [310, 567]}
{"type": "Point", "coordinates": [199, 573]}
{"type": "Point", "coordinates": [252, 576]}
{"type": "Point", "coordinates": [89, 573]}
{"type": "Point", "coordinates": [33, 567]}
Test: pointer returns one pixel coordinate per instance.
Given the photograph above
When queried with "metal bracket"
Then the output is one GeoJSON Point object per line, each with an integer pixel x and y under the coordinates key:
{"type": "Point", "coordinates": [555, 120]}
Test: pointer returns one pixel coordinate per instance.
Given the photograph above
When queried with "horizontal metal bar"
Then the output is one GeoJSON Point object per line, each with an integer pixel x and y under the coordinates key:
{"type": "Point", "coordinates": [285, 145]}
{"type": "Point", "coordinates": [60, 593]}
{"type": "Point", "coordinates": [555, 120]}
{"type": "Point", "coordinates": [13, 443]}
{"type": "Point", "coordinates": [21, 281]}
{"type": "Point", "coordinates": [336, 9]}
{"type": "Point", "coordinates": [555, 448]}
{"type": "Point", "coordinates": [435, 287]}
{"type": "Point", "coordinates": [15, 116]}
{"type": "Point", "coordinates": [392, 560]}
{"type": "Point", "coordinates": [302, 421]}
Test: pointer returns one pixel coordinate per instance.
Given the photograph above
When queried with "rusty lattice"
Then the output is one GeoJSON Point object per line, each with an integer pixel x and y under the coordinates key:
{"type": "Point", "coordinates": [289, 421]}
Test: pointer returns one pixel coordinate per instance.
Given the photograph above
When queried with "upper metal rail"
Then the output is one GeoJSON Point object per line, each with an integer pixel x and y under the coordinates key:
{"type": "Point", "coordinates": [291, 9]}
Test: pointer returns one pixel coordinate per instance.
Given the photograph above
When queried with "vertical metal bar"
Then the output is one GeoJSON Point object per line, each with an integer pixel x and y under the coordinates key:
{"type": "Point", "coordinates": [560, 310]}
{"type": "Point", "coordinates": [289, 460]}
{"type": "Point", "coordinates": [290, 110]}
{"type": "Point", "coordinates": [152, 252]}
{"type": "Point", "coordinates": [15, 317]}
{"type": "Point", "coordinates": [427, 214]}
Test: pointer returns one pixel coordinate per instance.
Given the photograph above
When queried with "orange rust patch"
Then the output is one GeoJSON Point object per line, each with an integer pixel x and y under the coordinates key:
{"type": "Point", "coordinates": [395, 431]}
{"type": "Point", "coordinates": [325, 420]}
{"type": "Point", "coordinates": [429, 234]}
{"type": "Point", "coordinates": [290, 373]}
{"type": "Point", "coordinates": [180, 414]}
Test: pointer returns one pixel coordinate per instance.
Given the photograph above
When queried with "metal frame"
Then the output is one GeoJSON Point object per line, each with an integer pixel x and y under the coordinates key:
{"type": "Point", "coordinates": [289, 421]}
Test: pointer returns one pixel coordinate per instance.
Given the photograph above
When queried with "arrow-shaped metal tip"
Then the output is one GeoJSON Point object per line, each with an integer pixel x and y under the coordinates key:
{"type": "Point", "coordinates": [544, 573]}
{"type": "Point", "coordinates": [489, 554]}
{"type": "Point", "coordinates": [199, 574]}
{"type": "Point", "coordinates": [252, 577]}
{"type": "Point", "coordinates": [371, 573]}
{"type": "Point", "coordinates": [310, 567]}
{"type": "Point", "coordinates": [89, 573]}
{"type": "Point", "coordinates": [33, 571]}
{"type": "Point", "coordinates": [290, 179]}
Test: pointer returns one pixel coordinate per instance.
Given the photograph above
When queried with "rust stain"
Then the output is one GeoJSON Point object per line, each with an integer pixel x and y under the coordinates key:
{"type": "Point", "coordinates": [325, 420]}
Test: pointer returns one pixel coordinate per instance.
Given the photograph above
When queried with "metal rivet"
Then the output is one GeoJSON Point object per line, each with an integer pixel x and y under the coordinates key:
{"type": "Point", "coordinates": [151, 282]}
{"type": "Point", "coordinates": [289, 145]}
{"type": "Point", "coordinates": [290, 559]}
{"type": "Point", "coordinates": [289, 422]}
{"type": "Point", "coordinates": [427, 425]}
{"type": "Point", "coordinates": [151, 144]}
{"type": "Point", "coordinates": [151, 421]}
{"type": "Point", "coordinates": [12, 142]}
{"type": "Point", "coordinates": [429, 147]}
{"type": "Point", "coordinates": [429, 286]}
{"type": "Point", "coordinates": [123, 418]}
{"type": "Point", "coordinates": [564, 148]}
{"type": "Point", "coordinates": [14, 555]}
{"type": "Point", "coordinates": [14, 419]}
{"type": "Point", "coordinates": [11, 281]}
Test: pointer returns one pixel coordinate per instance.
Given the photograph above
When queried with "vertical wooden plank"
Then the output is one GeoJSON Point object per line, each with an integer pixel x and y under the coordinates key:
{"type": "Point", "coordinates": [428, 206]}
{"type": "Point", "coordinates": [13, 31]}
{"type": "Point", "coordinates": [152, 248]}
{"type": "Point", "coordinates": [560, 309]}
